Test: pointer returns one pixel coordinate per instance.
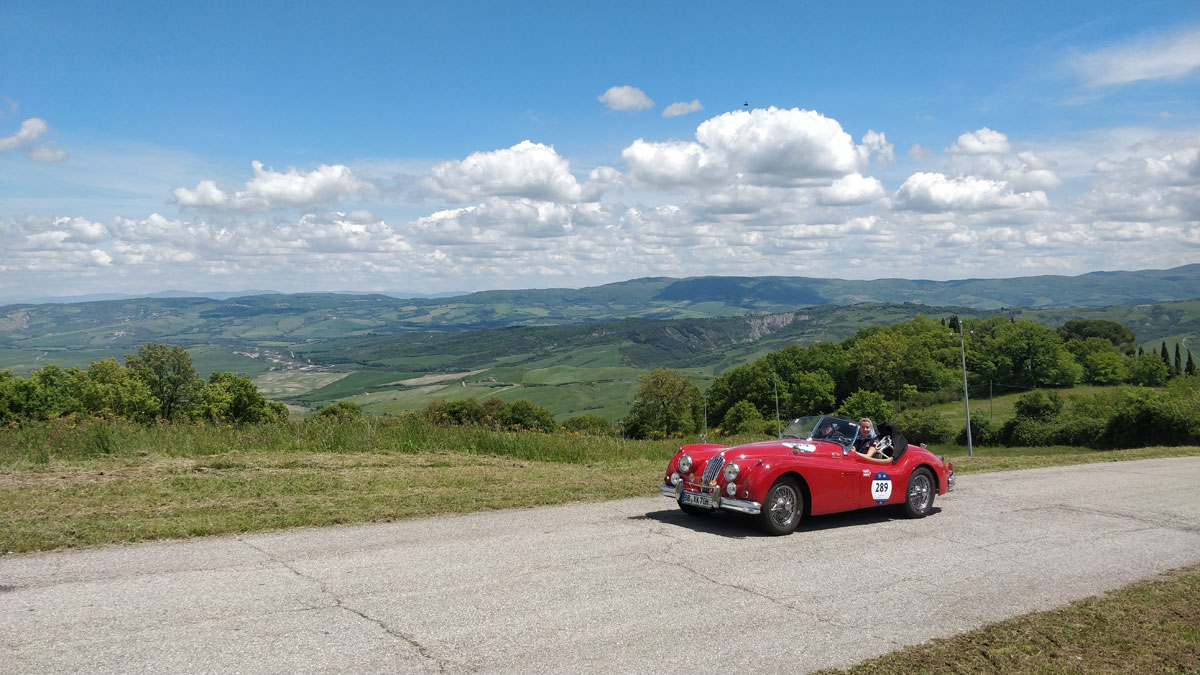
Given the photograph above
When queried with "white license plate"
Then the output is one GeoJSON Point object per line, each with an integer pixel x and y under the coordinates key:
{"type": "Point", "coordinates": [697, 499]}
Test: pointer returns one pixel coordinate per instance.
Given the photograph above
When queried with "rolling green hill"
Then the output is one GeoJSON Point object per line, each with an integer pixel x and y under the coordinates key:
{"type": "Point", "coordinates": [292, 319]}
{"type": "Point", "coordinates": [570, 350]}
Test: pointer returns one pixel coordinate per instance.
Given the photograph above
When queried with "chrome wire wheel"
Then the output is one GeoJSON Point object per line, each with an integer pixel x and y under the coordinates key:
{"type": "Point", "coordinates": [783, 505]}
{"type": "Point", "coordinates": [919, 497]}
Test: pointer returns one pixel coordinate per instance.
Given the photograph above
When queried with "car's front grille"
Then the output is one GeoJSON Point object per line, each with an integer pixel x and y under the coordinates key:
{"type": "Point", "coordinates": [713, 468]}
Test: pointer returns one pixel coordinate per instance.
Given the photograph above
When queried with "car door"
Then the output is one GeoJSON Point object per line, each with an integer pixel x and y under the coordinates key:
{"type": "Point", "coordinates": [879, 482]}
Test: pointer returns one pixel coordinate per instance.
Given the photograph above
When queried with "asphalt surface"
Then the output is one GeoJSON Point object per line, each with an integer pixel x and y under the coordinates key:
{"type": "Point", "coordinates": [631, 586]}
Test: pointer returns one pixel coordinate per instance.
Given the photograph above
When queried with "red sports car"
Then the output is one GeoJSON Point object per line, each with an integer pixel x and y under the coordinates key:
{"type": "Point", "coordinates": [812, 469]}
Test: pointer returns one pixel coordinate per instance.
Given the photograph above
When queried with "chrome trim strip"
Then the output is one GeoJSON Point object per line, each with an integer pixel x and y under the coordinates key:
{"type": "Point", "coordinates": [950, 481]}
{"type": "Point", "coordinates": [752, 508]}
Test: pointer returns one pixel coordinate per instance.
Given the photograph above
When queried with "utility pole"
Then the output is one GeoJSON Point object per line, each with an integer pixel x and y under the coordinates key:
{"type": "Point", "coordinates": [775, 384]}
{"type": "Point", "coordinates": [962, 350]}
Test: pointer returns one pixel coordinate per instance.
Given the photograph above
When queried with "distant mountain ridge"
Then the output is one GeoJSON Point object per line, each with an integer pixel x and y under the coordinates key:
{"type": "Point", "coordinates": [305, 317]}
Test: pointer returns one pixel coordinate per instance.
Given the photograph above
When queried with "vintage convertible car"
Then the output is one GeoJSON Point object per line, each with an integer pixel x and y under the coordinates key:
{"type": "Point", "coordinates": [812, 469]}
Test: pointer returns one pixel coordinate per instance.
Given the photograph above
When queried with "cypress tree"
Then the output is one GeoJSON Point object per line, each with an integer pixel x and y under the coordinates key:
{"type": "Point", "coordinates": [1166, 357]}
{"type": "Point", "coordinates": [1179, 361]}
{"type": "Point", "coordinates": [1140, 350]}
{"type": "Point", "coordinates": [1191, 365]}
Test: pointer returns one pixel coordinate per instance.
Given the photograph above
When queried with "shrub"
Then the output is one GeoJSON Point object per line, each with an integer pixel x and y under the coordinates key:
{"type": "Point", "coordinates": [524, 415]}
{"type": "Point", "coordinates": [588, 423]}
{"type": "Point", "coordinates": [1029, 432]}
{"type": "Point", "coordinates": [982, 433]}
{"type": "Point", "coordinates": [1038, 405]}
{"type": "Point", "coordinates": [1170, 417]}
{"type": "Point", "coordinates": [341, 411]}
{"type": "Point", "coordinates": [1078, 430]}
{"type": "Point", "coordinates": [923, 426]}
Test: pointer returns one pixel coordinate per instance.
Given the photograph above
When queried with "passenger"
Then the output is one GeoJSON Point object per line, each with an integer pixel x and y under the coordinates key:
{"type": "Point", "coordinates": [866, 440]}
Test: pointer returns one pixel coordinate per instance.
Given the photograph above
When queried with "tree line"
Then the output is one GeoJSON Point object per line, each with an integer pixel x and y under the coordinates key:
{"type": "Point", "coordinates": [890, 373]}
{"type": "Point", "coordinates": [159, 382]}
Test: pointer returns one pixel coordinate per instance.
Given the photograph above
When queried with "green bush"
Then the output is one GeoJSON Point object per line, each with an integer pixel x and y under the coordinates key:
{"type": "Point", "coordinates": [523, 415]}
{"type": "Point", "coordinates": [589, 423]}
{"type": "Point", "coordinates": [1038, 405]}
{"type": "Point", "coordinates": [983, 432]}
{"type": "Point", "coordinates": [1169, 417]}
{"type": "Point", "coordinates": [342, 411]}
{"type": "Point", "coordinates": [923, 426]}
{"type": "Point", "coordinates": [1079, 430]}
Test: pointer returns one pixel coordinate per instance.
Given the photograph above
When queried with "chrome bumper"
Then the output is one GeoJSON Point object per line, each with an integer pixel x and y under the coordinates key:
{"type": "Point", "coordinates": [950, 481]}
{"type": "Point", "coordinates": [719, 502]}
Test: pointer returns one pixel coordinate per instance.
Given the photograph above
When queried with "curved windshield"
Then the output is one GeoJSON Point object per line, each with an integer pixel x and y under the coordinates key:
{"type": "Point", "coordinates": [822, 428]}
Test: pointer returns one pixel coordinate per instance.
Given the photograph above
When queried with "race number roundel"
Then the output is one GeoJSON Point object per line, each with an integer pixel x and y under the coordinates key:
{"type": "Point", "coordinates": [881, 487]}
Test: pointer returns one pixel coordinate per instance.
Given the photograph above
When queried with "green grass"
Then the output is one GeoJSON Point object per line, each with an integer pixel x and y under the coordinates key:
{"type": "Point", "coordinates": [81, 482]}
{"type": "Point", "coordinates": [1000, 408]}
{"type": "Point", "coordinates": [1148, 627]}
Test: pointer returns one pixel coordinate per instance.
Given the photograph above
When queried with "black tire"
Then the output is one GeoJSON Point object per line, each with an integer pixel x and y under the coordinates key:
{"type": "Point", "coordinates": [918, 496]}
{"type": "Point", "coordinates": [782, 508]}
{"type": "Point", "coordinates": [694, 511]}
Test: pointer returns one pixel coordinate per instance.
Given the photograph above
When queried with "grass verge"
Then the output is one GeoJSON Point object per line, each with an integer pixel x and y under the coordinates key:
{"type": "Point", "coordinates": [77, 482]}
{"type": "Point", "coordinates": [1150, 627]}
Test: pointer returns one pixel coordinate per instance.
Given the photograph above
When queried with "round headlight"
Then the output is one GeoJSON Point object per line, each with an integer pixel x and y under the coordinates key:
{"type": "Point", "coordinates": [675, 478]}
{"type": "Point", "coordinates": [730, 489]}
{"type": "Point", "coordinates": [731, 472]}
{"type": "Point", "coordinates": [685, 463]}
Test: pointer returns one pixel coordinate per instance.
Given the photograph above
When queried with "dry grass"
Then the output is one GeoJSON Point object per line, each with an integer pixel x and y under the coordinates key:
{"type": "Point", "coordinates": [97, 503]}
{"type": "Point", "coordinates": [1149, 627]}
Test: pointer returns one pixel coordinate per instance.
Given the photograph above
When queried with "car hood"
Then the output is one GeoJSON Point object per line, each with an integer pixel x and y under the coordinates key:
{"type": "Point", "coordinates": [794, 447]}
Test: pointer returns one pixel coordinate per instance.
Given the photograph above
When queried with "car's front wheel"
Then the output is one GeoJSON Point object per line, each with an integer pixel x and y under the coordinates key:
{"type": "Point", "coordinates": [918, 499]}
{"type": "Point", "coordinates": [782, 507]}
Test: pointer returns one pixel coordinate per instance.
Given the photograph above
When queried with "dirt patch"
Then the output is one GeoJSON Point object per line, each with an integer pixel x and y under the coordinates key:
{"type": "Point", "coordinates": [433, 379]}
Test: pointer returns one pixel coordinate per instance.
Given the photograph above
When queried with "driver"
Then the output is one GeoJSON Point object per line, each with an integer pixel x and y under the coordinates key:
{"type": "Point", "coordinates": [866, 439]}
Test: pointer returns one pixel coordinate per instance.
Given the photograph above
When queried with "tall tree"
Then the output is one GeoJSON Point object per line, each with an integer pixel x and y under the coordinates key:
{"type": "Point", "coordinates": [1178, 360]}
{"type": "Point", "coordinates": [1166, 357]}
{"type": "Point", "coordinates": [1190, 368]}
{"type": "Point", "coordinates": [169, 373]}
{"type": "Point", "coordinates": [666, 401]}
{"type": "Point", "coordinates": [1081, 329]}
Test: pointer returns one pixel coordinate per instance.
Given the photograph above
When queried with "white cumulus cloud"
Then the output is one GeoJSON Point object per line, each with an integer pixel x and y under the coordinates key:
{"type": "Point", "coordinates": [934, 192]}
{"type": "Point", "coordinates": [526, 169]}
{"type": "Point", "coordinates": [852, 189]}
{"type": "Point", "coordinates": [682, 108]}
{"type": "Point", "coordinates": [765, 146]}
{"type": "Point", "coordinates": [983, 141]}
{"type": "Point", "coordinates": [270, 189]}
{"type": "Point", "coordinates": [877, 143]}
{"type": "Point", "coordinates": [625, 97]}
{"type": "Point", "coordinates": [30, 130]}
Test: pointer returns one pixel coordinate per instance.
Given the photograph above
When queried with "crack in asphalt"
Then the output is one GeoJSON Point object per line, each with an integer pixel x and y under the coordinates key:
{"type": "Point", "coordinates": [339, 603]}
{"type": "Point", "coordinates": [1153, 523]}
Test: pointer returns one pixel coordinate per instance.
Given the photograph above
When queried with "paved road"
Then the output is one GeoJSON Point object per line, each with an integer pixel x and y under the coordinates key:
{"type": "Point", "coordinates": [632, 586]}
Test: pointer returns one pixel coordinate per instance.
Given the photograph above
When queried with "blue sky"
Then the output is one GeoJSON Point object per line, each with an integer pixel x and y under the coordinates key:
{"type": "Point", "coordinates": [460, 146]}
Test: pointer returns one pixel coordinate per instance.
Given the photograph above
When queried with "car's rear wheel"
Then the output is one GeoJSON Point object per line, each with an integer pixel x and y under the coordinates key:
{"type": "Point", "coordinates": [782, 507]}
{"type": "Point", "coordinates": [918, 498]}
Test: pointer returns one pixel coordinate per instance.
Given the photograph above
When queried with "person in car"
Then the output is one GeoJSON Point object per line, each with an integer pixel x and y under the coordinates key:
{"type": "Point", "coordinates": [866, 439]}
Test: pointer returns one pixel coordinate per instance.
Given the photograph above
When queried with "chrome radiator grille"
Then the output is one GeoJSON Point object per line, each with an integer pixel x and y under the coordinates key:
{"type": "Point", "coordinates": [713, 468]}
